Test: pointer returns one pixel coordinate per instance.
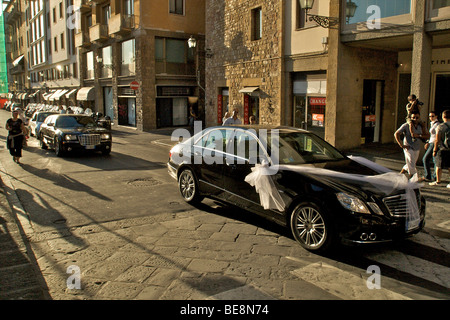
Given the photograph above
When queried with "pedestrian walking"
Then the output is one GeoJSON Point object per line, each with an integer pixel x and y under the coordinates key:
{"type": "Point", "coordinates": [192, 118]}
{"type": "Point", "coordinates": [225, 117]}
{"type": "Point", "coordinates": [441, 151]}
{"type": "Point", "coordinates": [430, 173]}
{"type": "Point", "coordinates": [411, 142]}
{"type": "Point", "coordinates": [234, 119]}
{"type": "Point", "coordinates": [413, 106]}
{"type": "Point", "coordinates": [16, 129]}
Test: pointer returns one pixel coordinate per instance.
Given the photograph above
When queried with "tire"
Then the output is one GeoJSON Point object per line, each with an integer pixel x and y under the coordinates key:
{"type": "Point", "coordinates": [42, 143]}
{"type": "Point", "coordinates": [188, 186]}
{"type": "Point", "coordinates": [106, 152]}
{"type": "Point", "coordinates": [58, 148]}
{"type": "Point", "coordinates": [312, 227]}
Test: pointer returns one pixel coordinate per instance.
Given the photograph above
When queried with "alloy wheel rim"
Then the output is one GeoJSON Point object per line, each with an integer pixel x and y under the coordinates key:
{"type": "Point", "coordinates": [310, 227]}
{"type": "Point", "coordinates": [187, 185]}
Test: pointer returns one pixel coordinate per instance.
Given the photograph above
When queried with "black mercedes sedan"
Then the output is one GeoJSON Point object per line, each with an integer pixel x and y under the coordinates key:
{"type": "Point", "coordinates": [71, 132]}
{"type": "Point", "coordinates": [296, 179]}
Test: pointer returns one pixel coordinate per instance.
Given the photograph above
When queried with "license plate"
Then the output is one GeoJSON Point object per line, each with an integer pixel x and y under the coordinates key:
{"type": "Point", "coordinates": [90, 147]}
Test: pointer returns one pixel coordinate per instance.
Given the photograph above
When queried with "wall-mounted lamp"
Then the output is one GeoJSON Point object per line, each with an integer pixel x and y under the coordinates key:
{"type": "Point", "coordinates": [192, 43]}
{"type": "Point", "coordinates": [323, 21]}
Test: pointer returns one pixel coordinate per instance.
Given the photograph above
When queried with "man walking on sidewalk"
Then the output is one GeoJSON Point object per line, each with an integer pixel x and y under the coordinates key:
{"type": "Point", "coordinates": [441, 152]}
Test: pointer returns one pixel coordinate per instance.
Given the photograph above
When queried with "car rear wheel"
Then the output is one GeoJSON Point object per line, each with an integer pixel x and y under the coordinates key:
{"type": "Point", "coordinates": [188, 187]}
{"type": "Point", "coordinates": [312, 227]}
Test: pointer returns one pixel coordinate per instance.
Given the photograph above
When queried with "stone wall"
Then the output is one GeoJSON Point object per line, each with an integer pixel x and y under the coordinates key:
{"type": "Point", "coordinates": [238, 61]}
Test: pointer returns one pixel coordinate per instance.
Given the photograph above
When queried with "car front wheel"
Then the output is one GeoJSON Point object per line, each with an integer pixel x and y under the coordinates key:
{"type": "Point", "coordinates": [58, 148]}
{"type": "Point", "coordinates": [312, 227]}
{"type": "Point", "coordinates": [188, 187]}
{"type": "Point", "coordinates": [42, 142]}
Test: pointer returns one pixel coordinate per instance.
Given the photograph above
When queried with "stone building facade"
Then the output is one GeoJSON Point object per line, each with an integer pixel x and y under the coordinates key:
{"type": "Point", "coordinates": [245, 70]}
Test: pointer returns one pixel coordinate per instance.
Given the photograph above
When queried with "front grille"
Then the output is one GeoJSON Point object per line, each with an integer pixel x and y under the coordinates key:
{"type": "Point", "coordinates": [89, 139]}
{"type": "Point", "coordinates": [398, 206]}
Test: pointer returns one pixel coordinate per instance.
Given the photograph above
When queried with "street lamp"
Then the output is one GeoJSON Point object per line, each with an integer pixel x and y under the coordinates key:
{"type": "Point", "coordinates": [192, 44]}
{"type": "Point", "coordinates": [350, 9]}
{"type": "Point", "coordinates": [323, 21]}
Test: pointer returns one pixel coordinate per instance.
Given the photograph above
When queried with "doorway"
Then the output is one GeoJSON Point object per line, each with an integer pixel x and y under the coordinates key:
{"type": "Point", "coordinates": [373, 93]}
{"type": "Point", "coordinates": [441, 93]}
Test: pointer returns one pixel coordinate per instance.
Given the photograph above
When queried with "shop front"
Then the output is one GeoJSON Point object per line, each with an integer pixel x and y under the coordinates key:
{"type": "Point", "coordinates": [309, 98]}
{"type": "Point", "coordinates": [172, 105]}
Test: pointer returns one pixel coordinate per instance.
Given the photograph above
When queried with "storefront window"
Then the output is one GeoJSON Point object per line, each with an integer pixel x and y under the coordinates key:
{"type": "Point", "coordinates": [388, 8]}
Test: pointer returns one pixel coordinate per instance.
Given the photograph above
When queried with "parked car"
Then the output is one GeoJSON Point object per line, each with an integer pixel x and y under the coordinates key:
{"type": "Point", "coordinates": [327, 198]}
{"type": "Point", "coordinates": [36, 121]}
{"type": "Point", "coordinates": [70, 132]}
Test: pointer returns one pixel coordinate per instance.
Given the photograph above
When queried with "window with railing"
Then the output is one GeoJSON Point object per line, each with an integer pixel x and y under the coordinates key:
{"type": "Point", "coordinates": [173, 57]}
{"type": "Point", "coordinates": [90, 65]}
{"type": "Point", "coordinates": [437, 4]}
{"type": "Point", "coordinates": [128, 66]}
{"type": "Point", "coordinates": [107, 62]}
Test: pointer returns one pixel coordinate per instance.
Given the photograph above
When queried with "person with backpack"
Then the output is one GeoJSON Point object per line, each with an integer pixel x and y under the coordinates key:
{"type": "Point", "coordinates": [441, 151]}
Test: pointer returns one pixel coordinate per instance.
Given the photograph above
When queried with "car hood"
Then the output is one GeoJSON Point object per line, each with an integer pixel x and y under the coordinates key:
{"type": "Point", "coordinates": [83, 130]}
{"type": "Point", "coordinates": [347, 176]}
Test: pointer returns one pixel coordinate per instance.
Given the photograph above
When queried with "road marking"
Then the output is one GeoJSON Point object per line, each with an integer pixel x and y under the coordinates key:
{"type": "Point", "coordinates": [343, 284]}
{"type": "Point", "coordinates": [413, 265]}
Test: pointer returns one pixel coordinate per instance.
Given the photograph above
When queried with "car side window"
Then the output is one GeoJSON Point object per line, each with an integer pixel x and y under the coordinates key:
{"type": "Point", "coordinates": [244, 146]}
{"type": "Point", "coordinates": [217, 139]}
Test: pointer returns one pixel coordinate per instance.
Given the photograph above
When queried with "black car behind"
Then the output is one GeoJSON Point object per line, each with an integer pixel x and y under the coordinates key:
{"type": "Point", "coordinates": [69, 132]}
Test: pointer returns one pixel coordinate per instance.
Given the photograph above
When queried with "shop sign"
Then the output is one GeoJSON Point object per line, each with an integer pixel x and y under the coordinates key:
{"type": "Point", "coordinates": [246, 107]}
{"type": "Point", "coordinates": [317, 101]}
{"type": "Point", "coordinates": [219, 108]}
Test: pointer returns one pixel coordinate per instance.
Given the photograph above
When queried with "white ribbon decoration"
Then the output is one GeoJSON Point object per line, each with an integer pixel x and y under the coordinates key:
{"type": "Point", "coordinates": [387, 182]}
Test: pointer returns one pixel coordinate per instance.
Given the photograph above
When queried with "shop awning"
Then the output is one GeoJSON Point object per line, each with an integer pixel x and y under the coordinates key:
{"type": "Point", "coordinates": [86, 94]}
{"type": "Point", "coordinates": [17, 61]}
{"type": "Point", "coordinates": [34, 94]}
{"type": "Point", "coordinates": [58, 94]}
{"type": "Point", "coordinates": [252, 91]}
{"type": "Point", "coordinates": [48, 95]}
{"type": "Point", "coordinates": [70, 93]}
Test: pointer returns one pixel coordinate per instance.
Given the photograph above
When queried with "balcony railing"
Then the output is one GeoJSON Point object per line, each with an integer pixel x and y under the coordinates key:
{"type": "Point", "coordinates": [120, 24]}
{"type": "Point", "coordinates": [99, 32]}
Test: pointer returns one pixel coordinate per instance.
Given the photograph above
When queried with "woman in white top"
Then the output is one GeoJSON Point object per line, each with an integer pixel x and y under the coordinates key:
{"type": "Point", "coordinates": [429, 173]}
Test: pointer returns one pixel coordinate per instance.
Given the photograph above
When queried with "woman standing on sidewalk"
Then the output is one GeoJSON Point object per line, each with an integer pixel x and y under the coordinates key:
{"type": "Point", "coordinates": [16, 130]}
{"type": "Point", "coordinates": [429, 146]}
{"type": "Point", "coordinates": [411, 142]}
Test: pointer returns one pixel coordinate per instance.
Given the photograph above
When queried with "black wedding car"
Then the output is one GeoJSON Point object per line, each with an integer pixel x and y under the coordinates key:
{"type": "Point", "coordinates": [74, 132]}
{"type": "Point", "coordinates": [320, 210]}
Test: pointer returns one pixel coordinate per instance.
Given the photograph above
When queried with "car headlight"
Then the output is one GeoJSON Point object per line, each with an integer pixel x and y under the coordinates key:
{"type": "Point", "coordinates": [352, 203]}
{"type": "Point", "coordinates": [70, 137]}
{"type": "Point", "coordinates": [105, 136]}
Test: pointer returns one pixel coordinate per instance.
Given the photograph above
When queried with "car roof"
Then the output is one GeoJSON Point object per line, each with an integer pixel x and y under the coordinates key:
{"type": "Point", "coordinates": [258, 127]}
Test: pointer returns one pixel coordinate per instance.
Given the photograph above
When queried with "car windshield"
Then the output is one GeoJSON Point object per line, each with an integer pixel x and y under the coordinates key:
{"type": "Point", "coordinates": [74, 121]}
{"type": "Point", "coordinates": [41, 116]}
{"type": "Point", "coordinates": [300, 148]}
